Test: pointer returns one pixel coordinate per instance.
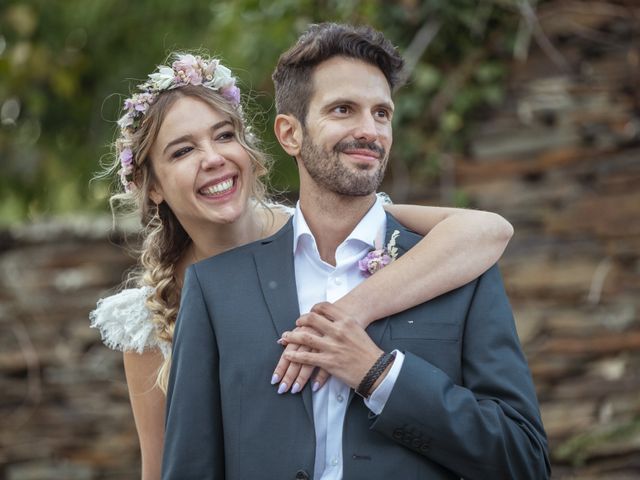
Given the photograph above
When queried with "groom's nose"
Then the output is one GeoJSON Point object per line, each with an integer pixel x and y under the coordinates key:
{"type": "Point", "coordinates": [366, 129]}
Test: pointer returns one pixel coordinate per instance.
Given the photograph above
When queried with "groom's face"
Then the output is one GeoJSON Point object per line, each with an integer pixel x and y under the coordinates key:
{"type": "Point", "coordinates": [348, 132]}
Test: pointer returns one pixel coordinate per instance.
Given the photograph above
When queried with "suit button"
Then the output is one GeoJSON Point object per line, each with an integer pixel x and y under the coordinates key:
{"type": "Point", "coordinates": [302, 475]}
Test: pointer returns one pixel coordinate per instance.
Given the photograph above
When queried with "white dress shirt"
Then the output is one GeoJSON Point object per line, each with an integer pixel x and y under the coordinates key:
{"type": "Point", "coordinates": [318, 281]}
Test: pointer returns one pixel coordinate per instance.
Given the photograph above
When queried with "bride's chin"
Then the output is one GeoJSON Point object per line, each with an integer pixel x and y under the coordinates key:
{"type": "Point", "coordinates": [233, 216]}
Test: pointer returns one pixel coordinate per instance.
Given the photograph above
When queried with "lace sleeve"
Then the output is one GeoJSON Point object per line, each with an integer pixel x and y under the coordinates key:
{"type": "Point", "coordinates": [279, 206]}
{"type": "Point", "coordinates": [384, 198]}
{"type": "Point", "coordinates": [125, 323]}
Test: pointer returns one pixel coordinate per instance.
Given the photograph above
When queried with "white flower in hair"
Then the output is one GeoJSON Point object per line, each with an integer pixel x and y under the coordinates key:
{"type": "Point", "coordinates": [223, 78]}
{"type": "Point", "coordinates": [163, 78]}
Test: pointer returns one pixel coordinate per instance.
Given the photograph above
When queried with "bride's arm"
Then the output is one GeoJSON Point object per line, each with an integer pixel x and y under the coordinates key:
{"type": "Point", "coordinates": [458, 246]}
{"type": "Point", "coordinates": [148, 405]}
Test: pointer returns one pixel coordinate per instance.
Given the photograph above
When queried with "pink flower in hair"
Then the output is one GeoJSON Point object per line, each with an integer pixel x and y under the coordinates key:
{"type": "Point", "coordinates": [126, 157]}
{"type": "Point", "coordinates": [208, 70]}
{"type": "Point", "coordinates": [188, 70]}
{"type": "Point", "coordinates": [232, 94]}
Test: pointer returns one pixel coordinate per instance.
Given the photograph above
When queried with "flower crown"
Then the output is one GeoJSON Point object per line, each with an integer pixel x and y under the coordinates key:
{"type": "Point", "coordinates": [186, 69]}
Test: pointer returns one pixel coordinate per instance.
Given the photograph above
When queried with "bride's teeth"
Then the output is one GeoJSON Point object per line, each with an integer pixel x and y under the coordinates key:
{"type": "Point", "coordinates": [218, 187]}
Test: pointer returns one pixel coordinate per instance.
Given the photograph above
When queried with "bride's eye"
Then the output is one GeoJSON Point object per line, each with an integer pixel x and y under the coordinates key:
{"type": "Point", "coordinates": [181, 152]}
{"type": "Point", "coordinates": [226, 136]}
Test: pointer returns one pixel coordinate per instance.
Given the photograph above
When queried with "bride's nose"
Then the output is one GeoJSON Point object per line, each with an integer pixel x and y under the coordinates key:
{"type": "Point", "coordinates": [212, 159]}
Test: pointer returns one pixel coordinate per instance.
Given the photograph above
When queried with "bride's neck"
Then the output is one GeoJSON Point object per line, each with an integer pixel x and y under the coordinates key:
{"type": "Point", "coordinates": [220, 238]}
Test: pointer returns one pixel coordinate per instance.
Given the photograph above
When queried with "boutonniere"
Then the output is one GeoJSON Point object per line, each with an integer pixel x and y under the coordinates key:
{"type": "Point", "coordinates": [379, 257]}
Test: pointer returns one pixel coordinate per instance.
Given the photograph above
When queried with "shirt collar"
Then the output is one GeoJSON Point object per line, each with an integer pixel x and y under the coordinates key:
{"type": "Point", "coordinates": [369, 230]}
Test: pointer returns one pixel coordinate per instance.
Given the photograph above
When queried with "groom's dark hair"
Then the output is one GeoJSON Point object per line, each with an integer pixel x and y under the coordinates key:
{"type": "Point", "coordinates": [293, 75]}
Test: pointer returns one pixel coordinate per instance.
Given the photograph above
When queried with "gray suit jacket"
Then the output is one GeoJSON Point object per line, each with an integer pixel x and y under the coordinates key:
{"type": "Point", "coordinates": [463, 405]}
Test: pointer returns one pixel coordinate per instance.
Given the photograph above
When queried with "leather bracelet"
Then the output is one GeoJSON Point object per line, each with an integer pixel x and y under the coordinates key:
{"type": "Point", "coordinates": [373, 374]}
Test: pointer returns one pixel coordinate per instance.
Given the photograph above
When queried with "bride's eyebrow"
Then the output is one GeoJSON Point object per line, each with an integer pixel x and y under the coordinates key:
{"type": "Point", "coordinates": [220, 125]}
{"type": "Point", "coordinates": [189, 136]}
{"type": "Point", "coordinates": [181, 139]}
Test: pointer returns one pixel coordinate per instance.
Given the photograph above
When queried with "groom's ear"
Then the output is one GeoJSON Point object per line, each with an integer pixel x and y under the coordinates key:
{"type": "Point", "coordinates": [288, 131]}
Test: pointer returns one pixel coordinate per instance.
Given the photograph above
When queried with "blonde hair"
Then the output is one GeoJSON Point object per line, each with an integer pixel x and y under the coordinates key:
{"type": "Point", "coordinates": [163, 240]}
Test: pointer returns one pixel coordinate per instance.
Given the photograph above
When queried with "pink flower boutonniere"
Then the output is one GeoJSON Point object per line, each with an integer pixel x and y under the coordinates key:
{"type": "Point", "coordinates": [380, 257]}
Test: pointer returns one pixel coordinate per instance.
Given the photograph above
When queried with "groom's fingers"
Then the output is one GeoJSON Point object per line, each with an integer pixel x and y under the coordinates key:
{"type": "Point", "coordinates": [329, 311]}
{"type": "Point", "coordinates": [318, 322]}
{"type": "Point", "coordinates": [311, 358]}
{"type": "Point", "coordinates": [303, 338]}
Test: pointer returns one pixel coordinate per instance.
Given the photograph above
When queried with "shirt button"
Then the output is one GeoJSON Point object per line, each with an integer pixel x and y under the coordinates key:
{"type": "Point", "coordinates": [334, 462]}
{"type": "Point", "coordinates": [340, 398]}
{"type": "Point", "coordinates": [337, 281]}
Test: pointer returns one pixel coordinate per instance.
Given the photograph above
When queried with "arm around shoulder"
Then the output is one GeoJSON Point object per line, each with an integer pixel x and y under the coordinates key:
{"type": "Point", "coordinates": [458, 246]}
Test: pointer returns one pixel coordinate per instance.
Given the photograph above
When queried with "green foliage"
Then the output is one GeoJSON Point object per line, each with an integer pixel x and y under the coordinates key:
{"type": "Point", "coordinates": [66, 65]}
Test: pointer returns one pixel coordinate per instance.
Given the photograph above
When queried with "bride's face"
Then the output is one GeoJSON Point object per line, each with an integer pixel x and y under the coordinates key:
{"type": "Point", "coordinates": [201, 170]}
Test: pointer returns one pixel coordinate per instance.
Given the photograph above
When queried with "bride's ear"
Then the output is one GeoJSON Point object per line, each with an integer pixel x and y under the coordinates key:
{"type": "Point", "coordinates": [155, 194]}
{"type": "Point", "coordinates": [288, 131]}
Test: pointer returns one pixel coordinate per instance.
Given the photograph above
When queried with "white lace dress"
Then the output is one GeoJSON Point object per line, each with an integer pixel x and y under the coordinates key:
{"type": "Point", "coordinates": [125, 322]}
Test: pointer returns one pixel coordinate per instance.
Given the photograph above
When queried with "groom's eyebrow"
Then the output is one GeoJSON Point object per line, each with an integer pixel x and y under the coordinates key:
{"type": "Point", "coordinates": [332, 103]}
{"type": "Point", "coordinates": [189, 136]}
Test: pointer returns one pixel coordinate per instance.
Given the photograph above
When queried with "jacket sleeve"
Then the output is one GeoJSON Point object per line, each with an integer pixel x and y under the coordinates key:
{"type": "Point", "coordinates": [193, 445]}
{"type": "Point", "coordinates": [488, 426]}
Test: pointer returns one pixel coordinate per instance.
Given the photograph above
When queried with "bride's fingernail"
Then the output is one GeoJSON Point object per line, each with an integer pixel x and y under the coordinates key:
{"type": "Point", "coordinates": [296, 388]}
{"type": "Point", "coordinates": [282, 388]}
{"type": "Point", "coordinates": [280, 341]}
{"type": "Point", "coordinates": [275, 379]}
{"type": "Point", "coordinates": [315, 386]}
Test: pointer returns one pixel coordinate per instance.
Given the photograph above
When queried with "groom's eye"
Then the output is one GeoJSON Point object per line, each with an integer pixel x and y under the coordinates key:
{"type": "Point", "coordinates": [342, 109]}
{"type": "Point", "coordinates": [383, 113]}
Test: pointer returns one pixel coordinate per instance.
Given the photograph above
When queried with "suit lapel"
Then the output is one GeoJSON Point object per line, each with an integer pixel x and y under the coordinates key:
{"type": "Point", "coordinates": [275, 267]}
{"type": "Point", "coordinates": [404, 241]}
{"type": "Point", "coordinates": [274, 264]}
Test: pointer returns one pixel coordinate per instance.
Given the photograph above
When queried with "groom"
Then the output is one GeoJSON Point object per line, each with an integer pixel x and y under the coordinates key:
{"type": "Point", "coordinates": [445, 386]}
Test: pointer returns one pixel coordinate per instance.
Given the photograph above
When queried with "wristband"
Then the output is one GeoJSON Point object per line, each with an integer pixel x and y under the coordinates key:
{"type": "Point", "coordinates": [373, 374]}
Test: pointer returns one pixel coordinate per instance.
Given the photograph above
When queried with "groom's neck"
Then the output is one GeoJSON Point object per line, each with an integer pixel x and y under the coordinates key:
{"type": "Point", "coordinates": [332, 217]}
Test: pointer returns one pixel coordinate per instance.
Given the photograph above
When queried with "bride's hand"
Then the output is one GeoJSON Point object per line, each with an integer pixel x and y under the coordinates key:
{"type": "Point", "coordinates": [292, 376]}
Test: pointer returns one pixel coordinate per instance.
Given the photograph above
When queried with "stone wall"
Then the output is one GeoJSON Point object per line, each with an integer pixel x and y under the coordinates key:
{"type": "Point", "coordinates": [64, 411]}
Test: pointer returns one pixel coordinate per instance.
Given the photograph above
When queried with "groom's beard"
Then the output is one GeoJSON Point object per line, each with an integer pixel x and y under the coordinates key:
{"type": "Point", "coordinates": [328, 171]}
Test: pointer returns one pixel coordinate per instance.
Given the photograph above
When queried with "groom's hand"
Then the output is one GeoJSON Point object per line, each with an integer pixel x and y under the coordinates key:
{"type": "Point", "coordinates": [341, 346]}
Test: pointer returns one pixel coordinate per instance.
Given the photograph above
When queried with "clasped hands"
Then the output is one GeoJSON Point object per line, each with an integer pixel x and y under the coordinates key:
{"type": "Point", "coordinates": [328, 340]}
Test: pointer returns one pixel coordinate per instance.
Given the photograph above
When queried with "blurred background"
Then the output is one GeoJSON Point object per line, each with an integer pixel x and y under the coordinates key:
{"type": "Point", "coordinates": [527, 108]}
